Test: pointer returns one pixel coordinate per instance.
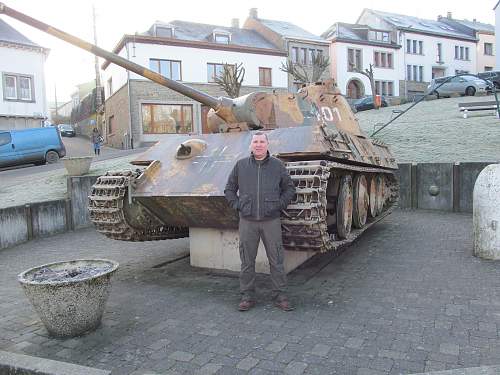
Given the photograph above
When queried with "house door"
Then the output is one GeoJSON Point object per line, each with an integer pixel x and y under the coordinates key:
{"type": "Point", "coordinates": [355, 89]}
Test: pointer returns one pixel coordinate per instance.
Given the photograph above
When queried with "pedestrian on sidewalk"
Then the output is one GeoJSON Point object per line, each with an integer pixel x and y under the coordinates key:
{"type": "Point", "coordinates": [259, 187]}
{"type": "Point", "coordinates": [96, 140]}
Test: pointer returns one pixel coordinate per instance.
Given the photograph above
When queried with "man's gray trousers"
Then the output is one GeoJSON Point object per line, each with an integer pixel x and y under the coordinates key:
{"type": "Point", "coordinates": [250, 234]}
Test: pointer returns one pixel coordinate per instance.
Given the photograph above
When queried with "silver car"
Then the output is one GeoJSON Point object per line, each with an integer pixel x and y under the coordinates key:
{"type": "Point", "coordinates": [462, 85]}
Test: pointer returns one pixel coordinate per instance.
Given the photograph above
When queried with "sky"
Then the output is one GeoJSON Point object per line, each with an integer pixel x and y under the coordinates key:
{"type": "Point", "coordinates": [67, 66]}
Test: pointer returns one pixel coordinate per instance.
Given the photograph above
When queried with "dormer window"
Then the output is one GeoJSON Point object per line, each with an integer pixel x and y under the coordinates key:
{"type": "Point", "coordinates": [162, 30]}
{"type": "Point", "coordinates": [379, 36]}
{"type": "Point", "coordinates": [221, 37]}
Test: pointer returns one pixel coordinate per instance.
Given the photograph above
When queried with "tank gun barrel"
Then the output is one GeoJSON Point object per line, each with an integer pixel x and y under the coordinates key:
{"type": "Point", "coordinates": [190, 92]}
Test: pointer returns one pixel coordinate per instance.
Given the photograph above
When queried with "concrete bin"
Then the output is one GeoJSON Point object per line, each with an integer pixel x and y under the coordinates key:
{"type": "Point", "coordinates": [69, 296]}
{"type": "Point", "coordinates": [77, 166]}
{"type": "Point", "coordinates": [486, 213]}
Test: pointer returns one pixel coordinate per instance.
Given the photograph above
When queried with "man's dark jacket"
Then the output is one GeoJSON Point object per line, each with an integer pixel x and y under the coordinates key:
{"type": "Point", "coordinates": [265, 188]}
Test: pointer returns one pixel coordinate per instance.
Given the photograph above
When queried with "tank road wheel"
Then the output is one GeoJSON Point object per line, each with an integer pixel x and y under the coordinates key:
{"type": "Point", "coordinates": [361, 201]}
{"type": "Point", "coordinates": [380, 194]}
{"type": "Point", "coordinates": [373, 197]}
{"type": "Point", "coordinates": [344, 207]}
{"type": "Point", "coordinates": [51, 157]}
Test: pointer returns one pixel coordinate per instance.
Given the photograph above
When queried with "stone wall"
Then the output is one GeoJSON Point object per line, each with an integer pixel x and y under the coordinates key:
{"type": "Point", "coordinates": [117, 107]}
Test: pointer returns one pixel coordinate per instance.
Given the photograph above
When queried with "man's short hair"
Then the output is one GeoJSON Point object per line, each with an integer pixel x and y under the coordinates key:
{"type": "Point", "coordinates": [261, 133]}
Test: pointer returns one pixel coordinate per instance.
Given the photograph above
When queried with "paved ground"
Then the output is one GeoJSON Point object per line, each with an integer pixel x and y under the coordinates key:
{"type": "Point", "coordinates": [434, 131]}
{"type": "Point", "coordinates": [407, 297]}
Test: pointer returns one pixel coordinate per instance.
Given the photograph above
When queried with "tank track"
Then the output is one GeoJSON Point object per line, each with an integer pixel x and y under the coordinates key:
{"type": "Point", "coordinates": [304, 222]}
{"type": "Point", "coordinates": [106, 208]}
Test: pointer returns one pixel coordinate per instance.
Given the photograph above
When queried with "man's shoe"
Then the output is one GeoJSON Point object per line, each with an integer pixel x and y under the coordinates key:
{"type": "Point", "coordinates": [284, 304]}
{"type": "Point", "coordinates": [246, 305]}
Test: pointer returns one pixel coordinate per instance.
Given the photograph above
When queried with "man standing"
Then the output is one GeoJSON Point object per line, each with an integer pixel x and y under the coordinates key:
{"type": "Point", "coordinates": [264, 188]}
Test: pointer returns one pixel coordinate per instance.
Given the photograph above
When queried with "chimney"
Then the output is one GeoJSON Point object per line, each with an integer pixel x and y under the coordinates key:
{"type": "Point", "coordinates": [474, 20]}
{"type": "Point", "coordinates": [253, 13]}
{"type": "Point", "coordinates": [235, 23]}
{"type": "Point", "coordinates": [448, 15]}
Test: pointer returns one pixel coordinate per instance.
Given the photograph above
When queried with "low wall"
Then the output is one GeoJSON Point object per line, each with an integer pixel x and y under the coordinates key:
{"type": "Point", "coordinates": [438, 186]}
{"type": "Point", "coordinates": [433, 186]}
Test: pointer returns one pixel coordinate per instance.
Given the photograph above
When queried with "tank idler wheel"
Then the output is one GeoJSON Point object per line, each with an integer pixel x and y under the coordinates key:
{"type": "Point", "coordinates": [344, 207]}
{"type": "Point", "coordinates": [380, 194]}
{"type": "Point", "coordinates": [361, 201]}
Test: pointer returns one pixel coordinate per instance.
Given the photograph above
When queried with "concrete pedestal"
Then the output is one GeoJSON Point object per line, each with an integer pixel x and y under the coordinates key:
{"type": "Point", "coordinates": [219, 249]}
{"type": "Point", "coordinates": [486, 213]}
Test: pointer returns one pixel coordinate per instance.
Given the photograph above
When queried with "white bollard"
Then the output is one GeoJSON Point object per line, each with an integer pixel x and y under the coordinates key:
{"type": "Point", "coordinates": [486, 213]}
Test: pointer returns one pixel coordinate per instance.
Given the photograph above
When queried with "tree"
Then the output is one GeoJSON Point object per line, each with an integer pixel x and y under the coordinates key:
{"type": "Point", "coordinates": [304, 74]}
{"type": "Point", "coordinates": [231, 78]}
{"type": "Point", "coordinates": [368, 72]}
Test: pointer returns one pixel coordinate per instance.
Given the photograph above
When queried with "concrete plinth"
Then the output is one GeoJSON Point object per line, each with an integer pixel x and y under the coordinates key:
{"type": "Point", "coordinates": [219, 249]}
{"type": "Point", "coordinates": [486, 213]}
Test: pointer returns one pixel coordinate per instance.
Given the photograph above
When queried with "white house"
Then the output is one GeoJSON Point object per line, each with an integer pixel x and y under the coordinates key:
{"type": "Point", "coordinates": [497, 33]}
{"type": "Point", "coordinates": [139, 111]}
{"type": "Point", "coordinates": [429, 48]}
{"type": "Point", "coordinates": [353, 48]}
{"type": "Point", "coordinates": [23, 101]}
{"type": "Point", "coordinates": [484, 33]}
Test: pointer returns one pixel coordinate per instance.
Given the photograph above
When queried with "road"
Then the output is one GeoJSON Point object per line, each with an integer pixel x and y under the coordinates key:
{"type": "Point", "coordinates": [75, 146]}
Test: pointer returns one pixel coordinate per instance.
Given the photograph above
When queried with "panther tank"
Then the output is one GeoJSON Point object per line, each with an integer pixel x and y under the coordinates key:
{"type": "Point", "coordinates": [345, 181]}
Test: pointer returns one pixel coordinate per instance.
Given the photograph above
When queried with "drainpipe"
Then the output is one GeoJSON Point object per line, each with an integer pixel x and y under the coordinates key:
{"type": "Point", "coordinates": [130, 134]}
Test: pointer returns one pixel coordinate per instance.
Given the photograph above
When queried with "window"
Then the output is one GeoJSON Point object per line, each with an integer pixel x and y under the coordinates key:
{"type": "Point", "coordinates": [415, 46]}
{"type": "Point", "coordinates": [164, 32]}
{"type": "Point", "coordinates": [168, 68]}
{"type": "Point", "coordinates": [5, 138]}
{"type": "Point", "coordinates": [462, 53]}
{"type": "Point", "coordinates": [221, 38]}
{"type": "Point", "coordinates": [111, 125]}
{"type": "Point", "coordinates": [312, 54]}
{"type": "Point", "coordinates": [18, 87]}
{"type": "Point", "coordinates": [380, 36]}
{"type": "Point", "coordinates": [354, 60]}
{"type": "Point", "coordinates": [385, 88]}
{"type": "Point", "coordinates": [439, 54]}
{"type": "Point", "coordinates": [214, 70]}
{"type": "Point", "coordinates": [488, 68]}
{"type": "Point", "coordinates": [303, 56]}
{"type": "Point", "coordinates": [265, 77]}
{"type": "Point", "coordinates": [167, 118]}
{"type": "Point", "coordinates": [415, 73]}
{"type": "Point", "coordinates": [382, 59]}
{"type": "Point", "coordinates": [488, 49]}
{"type": "Point", "coordinates": [295, 55]}
{"type": "Point", "coordinates": [110, 86]}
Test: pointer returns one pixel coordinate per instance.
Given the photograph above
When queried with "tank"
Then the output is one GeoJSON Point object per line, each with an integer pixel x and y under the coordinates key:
{"type": "Point", "coordinates": [345, 182]}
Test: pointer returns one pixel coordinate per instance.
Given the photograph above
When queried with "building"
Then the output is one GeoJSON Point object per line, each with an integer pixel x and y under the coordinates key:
{"type": "Point", "coordinates": [405, 52]}
{"type": "Point", "coordinates": [299, 44]}
{"type": "Point", "coordinates": [23, 103]}
{"type": "Point", "coordinates": [484, 33]}
{"type": "Point", "coordinates": [353, 48]}
{"type": "Point", "coordinates": [497, 34]}
{"type": "Point", "coordinates": [138, 111]}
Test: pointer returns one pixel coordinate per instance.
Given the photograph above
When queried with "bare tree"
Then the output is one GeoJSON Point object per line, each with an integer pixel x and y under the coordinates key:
{"type": "Point", "coordinates": [368, 72]}
{"type": "Point", "coordinates": [303, 73]}
{"type": "Point", "coordinates": [231, 78]}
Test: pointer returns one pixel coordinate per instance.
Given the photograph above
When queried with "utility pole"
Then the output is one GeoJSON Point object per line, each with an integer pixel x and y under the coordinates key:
{"type": "Point", "coordinates": [98, 98]}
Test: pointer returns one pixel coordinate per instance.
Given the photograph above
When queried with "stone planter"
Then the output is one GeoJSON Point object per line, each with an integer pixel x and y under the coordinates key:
{"type": "Point", "coordinates": [70, 296]}
{"type": "Point", "coordinates": [77, 166]}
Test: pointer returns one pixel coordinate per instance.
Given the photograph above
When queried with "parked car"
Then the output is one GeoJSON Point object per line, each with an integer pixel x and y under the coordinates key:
{"type": "Point", "coordinates": [366, 103]}
{"type": "Point", "coordinates": [492, 76]}
{"type": "Point", "coordinates": [461, 85]}
{"type": "Point", "coordinates": [36, 145]}
{"type": "Point", "coordinates": [66, 130]}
